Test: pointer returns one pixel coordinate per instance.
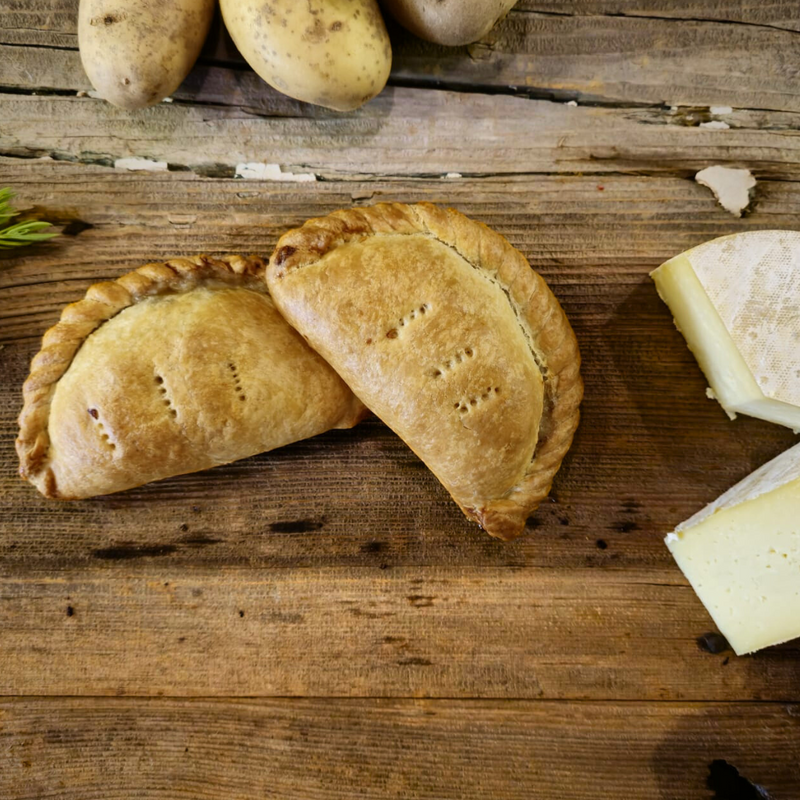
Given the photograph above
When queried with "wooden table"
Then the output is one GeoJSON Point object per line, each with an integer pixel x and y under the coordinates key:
{"type": "Point", "coordinates": [321, 622]}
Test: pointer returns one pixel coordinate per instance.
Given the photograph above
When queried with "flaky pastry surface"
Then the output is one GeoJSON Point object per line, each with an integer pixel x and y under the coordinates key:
{"type": "Point", "coordinates": [173, 368]}
{"type": "Point", "coordinates": [444, 331]}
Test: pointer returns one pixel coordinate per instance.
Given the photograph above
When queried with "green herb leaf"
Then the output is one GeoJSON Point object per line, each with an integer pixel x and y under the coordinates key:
{"type": "Point", "coordinates": [19, 234]}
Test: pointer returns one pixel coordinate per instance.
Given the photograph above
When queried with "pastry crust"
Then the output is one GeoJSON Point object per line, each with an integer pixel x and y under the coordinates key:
{"type": "Point", "coordinates": [172, 368]}
{"type": "Point", "coordinates": [395, 257]}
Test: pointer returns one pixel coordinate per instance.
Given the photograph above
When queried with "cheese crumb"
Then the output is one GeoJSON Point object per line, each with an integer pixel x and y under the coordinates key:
{"type": "Point", "coordinates": [572, 103]}
{"type": "Point", "coordinates": [453, 176]}
{"type": "Point", "coordinates": [271, 172]}
{"type": "Point", "coordinates": [716, 125]}
{"type": "Point", "coordinates": [672, 537]}
{"type": "Point", "coordinates": [719, 110]}
{"type": "Point", "coordinates": [731, 187]}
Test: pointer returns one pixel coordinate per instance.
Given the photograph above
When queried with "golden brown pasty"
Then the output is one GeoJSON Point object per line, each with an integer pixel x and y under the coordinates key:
{"type": "Point", "coordinates": [446, 333]}
{"type": "Point", "coordinates": [172, 368]}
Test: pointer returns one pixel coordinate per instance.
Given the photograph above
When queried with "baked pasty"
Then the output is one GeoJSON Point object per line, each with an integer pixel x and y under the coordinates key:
{"type": "Point", "coordinates": [446, 333]}
{"type": "Point", "coordinates": [172, 368]}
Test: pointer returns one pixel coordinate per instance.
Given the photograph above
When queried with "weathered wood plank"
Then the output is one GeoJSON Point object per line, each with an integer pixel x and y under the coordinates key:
{"type": "Point", "coordinates": [638, 465]}
{"type": "Point", "coordinates": [398, 632]}
{"type": "Point", "coordinates": [404, 132]}
{"type": "Point", "coordinates": [663, 53]}
{"type": "Point", "coordinates": [777, 13]}
{"type": "Point", "coordinates": [75, 749]}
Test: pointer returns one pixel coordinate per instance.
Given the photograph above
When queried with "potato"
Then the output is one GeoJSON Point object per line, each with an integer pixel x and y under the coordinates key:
{"type": "Point", "coordinates": [451, 22]}
{"type": "Point", "coordinates": [136, 52]}
{"type": "Point", "coordinates": [334, 53]}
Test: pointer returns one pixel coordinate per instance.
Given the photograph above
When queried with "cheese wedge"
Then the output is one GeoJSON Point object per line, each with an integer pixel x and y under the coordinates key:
{"type": "Point", "coordinates": [742, 556]}
{"type": "Point", "coordinates": [737, 302]}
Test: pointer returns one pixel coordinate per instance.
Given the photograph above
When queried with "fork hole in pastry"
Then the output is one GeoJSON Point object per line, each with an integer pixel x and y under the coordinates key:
{"type": "Point", "coordinates": [392, 334]}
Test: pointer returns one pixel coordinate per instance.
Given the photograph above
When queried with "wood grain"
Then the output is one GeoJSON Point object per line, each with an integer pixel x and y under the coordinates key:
{"type": "Point", "coordinates": [396, 632]}
{"type": "Point", "coordinates": [586, 51]}
{"type": "Point", "coordinates": [75, 749]}
{"type": "Point", "coordinates": [373, 502]}
{"type": "Point", "coordinates": [323, 583]}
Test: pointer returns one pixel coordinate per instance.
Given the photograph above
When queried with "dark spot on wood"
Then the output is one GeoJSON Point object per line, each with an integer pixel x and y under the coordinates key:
{"type": "Point", "coordinates": [197, 592]}
{"type": "Point", "coordinates": [713, 642]}
{"type": "Point", "coordinates": [414, 662]}
{"type": "Point", "coordinates": [181, 639]}
{"type": "Point", "coordinates": [563, 520]}
{"type": "Point", "coordinates": [297, 526]}
{"type": "Point", "coordinates": [384, 566]}
{"type": "Point", "coordinates": [602, 544]}
{"type": "Point", "coordinates": [533, 522]}
{"type": "Point", "coordinates": [184, 527]}
{"type": "Point", "coordinates": [625, 527]}
{"type": "Point", "coordinates": [421, 600]}
{"type": "Point", "coordinates": [372, 547]}
{"type": "Point", "coordinates": [70, 611]}
{"type": "Point", "coordinates": [393, 639]}
{"type": "Point", "coordinates": [76, 227]}
{"type": "Point", "coordinates": [284, 253]}
{"type": "Point", "coordinates": [630, 505]}
{"type": "Point", "coordinates": [196, 509]}
{"type": "Point", "coordinates": [728, 784]}
{"type": "Point", "coordinates": [241, 613]}
{"type": "Point", "coordinates": [726, 661]}
{"type": "Point", "coordinates": [128, 551]}
{"type": "Point", "coordinates": [93, 413]}
{"type": "Point", "coordinates": [26, 764]}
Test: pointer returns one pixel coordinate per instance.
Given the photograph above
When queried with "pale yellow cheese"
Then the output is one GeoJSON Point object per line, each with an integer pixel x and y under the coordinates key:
{"type": "Point", "coordinates": [742, 556]}
{"type": "Point", "coordinates": [737, 302]}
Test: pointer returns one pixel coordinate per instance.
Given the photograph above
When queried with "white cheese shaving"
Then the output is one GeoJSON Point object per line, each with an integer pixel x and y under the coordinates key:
{"type": "Point", "coordinates": [271, 172]}
{"type": "Point", "coordinates": [730, 186]}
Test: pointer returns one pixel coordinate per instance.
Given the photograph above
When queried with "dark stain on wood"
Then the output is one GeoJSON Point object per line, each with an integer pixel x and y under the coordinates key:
{"type": "Point", "coordinates": [372, 547]}
{"type": "Point", "coordinates": [713, 642]}
{"type": "Point", "coordinates": [125, 552]}
{"type": "Point", "coordinates": [728, 783]}
{"type": "Point", "coordinates": [421, 600]}
{"type": "Point", "coordinates": [200, 540]}
{"type": "Point", "coordinates": [70, 611]}
{"type": "Point", "coordinates": [414, 662]}
{"type": "Point", "coordinates": [626, 526]}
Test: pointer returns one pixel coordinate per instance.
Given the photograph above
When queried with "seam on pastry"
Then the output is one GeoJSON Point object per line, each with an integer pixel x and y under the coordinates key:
{"type": "Point", "coordinates": [150, 280]}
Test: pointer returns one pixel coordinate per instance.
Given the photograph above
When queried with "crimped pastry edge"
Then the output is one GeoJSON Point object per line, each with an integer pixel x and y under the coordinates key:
{"type": "Point", "coordinates": [79, 320]}
{"type": "Point", "coordinates": [552, 341]}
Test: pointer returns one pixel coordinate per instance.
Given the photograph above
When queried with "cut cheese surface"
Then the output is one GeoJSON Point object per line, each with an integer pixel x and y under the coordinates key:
{"type": "Point", "coordinates": [742, 556]}
{"type": "Point", "coordinates": [737, 302]}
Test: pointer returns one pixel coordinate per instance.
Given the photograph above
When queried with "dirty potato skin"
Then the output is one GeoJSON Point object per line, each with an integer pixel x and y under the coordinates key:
{"type": "Point", "coordinates": [450, 22]}
{"type": "Point", "coordinates": [137, 52]}
{"type": "Point", "coordinates": [333, 53]}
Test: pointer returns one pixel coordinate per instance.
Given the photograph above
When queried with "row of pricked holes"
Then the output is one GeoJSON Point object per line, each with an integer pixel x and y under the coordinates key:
{"type": "Point", "coordinates": [403, 321]}
{"type": "Point", "coordinates": [464, 405]}
{"type": "Point", "coordinates": [105, 437]}
{"type": "Point", "coordinates": [165, 397]}
{"type": "Point", "coordinates": [237, 383]}
{"type": "Point", "coordinates": [467, 352]}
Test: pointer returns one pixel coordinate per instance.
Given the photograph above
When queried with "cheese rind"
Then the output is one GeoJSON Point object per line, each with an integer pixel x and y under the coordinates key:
{"type": "Point", "coordinates": [742, 556]}
{"type": "Point", "coordinates": [737, 302]}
